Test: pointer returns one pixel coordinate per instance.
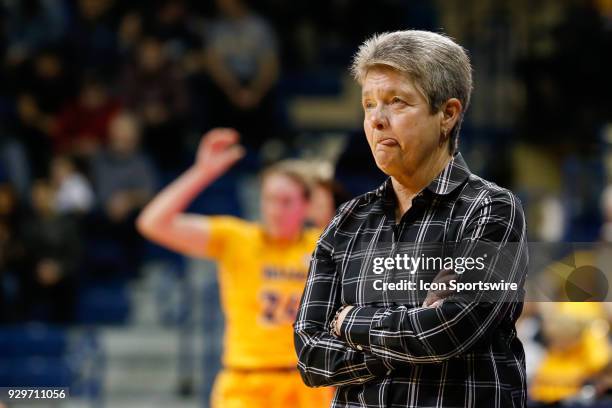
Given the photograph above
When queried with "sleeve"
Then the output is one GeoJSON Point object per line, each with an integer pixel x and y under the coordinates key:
{"type": "Point", "coordinates": [223, 231]}
{"type": "Point", "coordinates": [431, 335]}
{"type": "Point", "coordinates": [324, 359]}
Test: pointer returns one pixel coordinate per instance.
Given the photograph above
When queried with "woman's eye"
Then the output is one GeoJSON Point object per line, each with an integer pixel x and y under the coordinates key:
{"type": "Point", "coordinates": [397, 100]}
{"type": "Point", "coordinates": [368, 105]}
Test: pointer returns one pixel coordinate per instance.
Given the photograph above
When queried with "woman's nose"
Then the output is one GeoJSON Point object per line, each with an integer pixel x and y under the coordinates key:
{"type": "Point", "coordinates": [378, 119]}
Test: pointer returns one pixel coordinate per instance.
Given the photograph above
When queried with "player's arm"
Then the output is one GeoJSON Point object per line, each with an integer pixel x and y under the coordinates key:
{"type": "Point", "coordinates": [164, 220]}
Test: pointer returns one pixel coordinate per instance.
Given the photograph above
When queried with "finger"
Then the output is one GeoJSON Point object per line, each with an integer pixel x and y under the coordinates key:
{"type": "Point", "coordinates": [431, 298]}
{"type": "Point", "coordinates": [223, 144]}
{"type": "Point", "coordinates": [437, 303]}
{"type": "Point", "coordinates": [429, 304]}
{"type": "Point", "coordinates": [232, 132]}
{"type": "Point", "coordinates": [237, 152]}
{"type": "Point", "coordinates": [437, 295]}
{"type": "Point", "coordinates": [223, 135]}
{"type": "Point", "coordinates": [228, 134]}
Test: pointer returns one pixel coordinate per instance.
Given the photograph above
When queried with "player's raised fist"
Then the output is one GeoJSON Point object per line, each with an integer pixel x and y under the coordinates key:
{"type": "Point", "coordinates": [219, 150]}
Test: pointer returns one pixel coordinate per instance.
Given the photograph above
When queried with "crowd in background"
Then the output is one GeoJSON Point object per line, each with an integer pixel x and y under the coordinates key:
{"type": "Point", "coordinates": [102, 102]}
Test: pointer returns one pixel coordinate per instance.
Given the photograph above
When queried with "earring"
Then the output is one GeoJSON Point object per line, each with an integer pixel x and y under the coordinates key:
{"type": "Point", "coordinates": [444, 133]}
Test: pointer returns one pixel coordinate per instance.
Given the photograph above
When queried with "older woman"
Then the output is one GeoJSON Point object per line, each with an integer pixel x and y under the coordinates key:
{"type": "Point", "coordinates": [395, 345]}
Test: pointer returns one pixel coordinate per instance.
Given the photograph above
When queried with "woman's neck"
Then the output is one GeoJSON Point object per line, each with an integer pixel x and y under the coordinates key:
{"type": "Point", "coordinates": [406, 188]}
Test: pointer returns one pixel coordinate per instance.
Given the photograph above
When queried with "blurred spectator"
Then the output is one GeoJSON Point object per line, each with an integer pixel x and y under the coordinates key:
{"type": "Point", "coordinates": [31, 129]}
{"type": "Point", "coordinates": [73, 193]}
{"type": "Point", "coordinates": [124, 181]}
{"type": "Point", "coordinates": [52, 245]}
{"type": "Point", "coordinates": [82, 125]}
{"type": "Point", "coordinates": [10, 213]}
{"type": "Point", "coordinates": [130, 32]}
{"type": "Point", "coordinates": [92, 38]}
{"type": "Point", "coordinates": [578, 349]}
{"type": "Point", "coordinates": [123, 177]}
{"type": "Point", "coordinates": [48, 80]}
{"type": "Point", "coordinates": [42, 86]}
{"type": "Point", "coordinates": [11, 251]}
{"type": "Point", "coordinates": [32, 24]}
{"type": "Point", "coordinates": [5, 268]}
{"type": "Point", "coordinates": [171, 25]}
{"type": "Point", "coordinates": [14, 164]}
{"type": "Point", "coordinates": [242, 62]}
{"type": "Point", "coordinates": [549, 74]}
{"type": "Point", "coordinates": [154, 88]}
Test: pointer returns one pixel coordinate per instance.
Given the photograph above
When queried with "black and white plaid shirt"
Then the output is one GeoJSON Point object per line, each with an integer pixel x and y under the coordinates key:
{"type": "Point", "coordinates": [392, 352]}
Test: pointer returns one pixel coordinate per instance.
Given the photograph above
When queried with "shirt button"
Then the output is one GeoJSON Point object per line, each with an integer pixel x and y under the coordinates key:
{"type": "Point", "coordinates": [359, 348]}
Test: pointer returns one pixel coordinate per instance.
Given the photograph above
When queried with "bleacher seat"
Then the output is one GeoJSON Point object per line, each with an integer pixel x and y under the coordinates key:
{"type": "Point", "coordinates": [32, 340]}
{"type": "Point", "coordinates": [103, 304]}
{"type": "Point", "coordinates": [35, 372]}
{"type": "Point", "coordinates": [34, 355]}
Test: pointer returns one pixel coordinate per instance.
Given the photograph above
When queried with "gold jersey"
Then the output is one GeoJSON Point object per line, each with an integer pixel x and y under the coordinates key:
{"type": "Point", "coordinates": [261, 283]}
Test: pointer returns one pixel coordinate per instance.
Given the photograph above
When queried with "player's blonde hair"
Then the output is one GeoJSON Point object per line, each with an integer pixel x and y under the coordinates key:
{"type": "Point", "coordinates": [296, 170]}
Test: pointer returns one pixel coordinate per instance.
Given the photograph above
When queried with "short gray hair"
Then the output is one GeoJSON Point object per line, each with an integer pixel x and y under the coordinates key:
{"type": "Point", "coordinates": [439, 67]}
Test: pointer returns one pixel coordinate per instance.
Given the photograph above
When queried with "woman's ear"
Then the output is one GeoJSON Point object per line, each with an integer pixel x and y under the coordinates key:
{"type": "Point", "coordinates": [451, 111]}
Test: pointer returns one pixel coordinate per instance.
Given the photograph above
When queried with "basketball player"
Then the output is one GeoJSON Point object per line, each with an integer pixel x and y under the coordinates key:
{"type": "Point", "coordinates": [262, 271]}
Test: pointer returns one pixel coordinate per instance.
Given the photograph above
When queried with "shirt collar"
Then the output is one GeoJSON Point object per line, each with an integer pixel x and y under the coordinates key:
{"type": "Point", "coordinates": [454, 174]}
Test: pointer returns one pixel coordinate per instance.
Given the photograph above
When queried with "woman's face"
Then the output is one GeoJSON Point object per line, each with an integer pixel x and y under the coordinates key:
{"type": "Point", "coordinates": [322, 207]}
{"type": "Point", "coordinates": [283, 206]}
{"type": "Point", "coordinates": [400, 128]}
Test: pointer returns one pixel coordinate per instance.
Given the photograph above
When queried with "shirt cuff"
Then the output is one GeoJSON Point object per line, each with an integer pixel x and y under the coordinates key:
{"type": "Point", "coordinates": [355, 328]}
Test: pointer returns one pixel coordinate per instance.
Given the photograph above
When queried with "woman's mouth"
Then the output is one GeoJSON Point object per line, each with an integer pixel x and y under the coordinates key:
{"type": "Point", "coordinates": [388, 142]}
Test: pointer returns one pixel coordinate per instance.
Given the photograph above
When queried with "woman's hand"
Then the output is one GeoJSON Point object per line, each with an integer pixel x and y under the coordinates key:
{"type": "Point", "coordinates": [341, 318]}
{"type": "Point", "coordinates": [435, 298]}
{"type": "Point", "coordinates": [218, 151]}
